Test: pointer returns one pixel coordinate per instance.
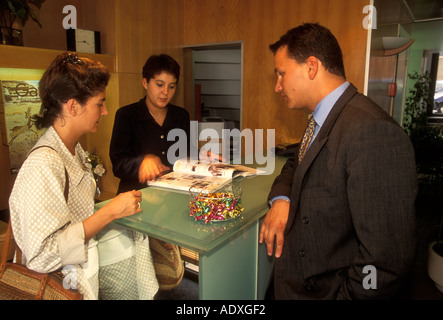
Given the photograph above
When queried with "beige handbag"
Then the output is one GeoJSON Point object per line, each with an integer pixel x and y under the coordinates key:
{"type": "Point", "coordinates": [168, 264]}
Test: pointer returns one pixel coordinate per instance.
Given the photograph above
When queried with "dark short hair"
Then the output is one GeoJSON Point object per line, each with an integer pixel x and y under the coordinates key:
{"type": "Point", "coordinates": [68, 77]}
{"type": "Point", "coordinates": [156, 64]}
{"type": "Point", "coordinates": [312, 39]}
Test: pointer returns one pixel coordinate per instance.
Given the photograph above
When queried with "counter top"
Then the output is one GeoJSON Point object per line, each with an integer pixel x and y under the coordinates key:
{"type": "Point", "coordinates": [166, 216]}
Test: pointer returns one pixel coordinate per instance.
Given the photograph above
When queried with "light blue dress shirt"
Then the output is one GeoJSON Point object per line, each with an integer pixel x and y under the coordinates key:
{"type": "Point", "coordinates": [320, 114]}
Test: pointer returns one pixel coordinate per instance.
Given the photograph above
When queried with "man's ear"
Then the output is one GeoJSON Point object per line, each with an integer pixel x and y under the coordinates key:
{"type": "Point", "coordinates": [312, 63]}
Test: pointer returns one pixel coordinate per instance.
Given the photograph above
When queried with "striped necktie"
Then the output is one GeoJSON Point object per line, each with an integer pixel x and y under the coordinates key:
{"type": "Point", "coordinates": [306, 138]}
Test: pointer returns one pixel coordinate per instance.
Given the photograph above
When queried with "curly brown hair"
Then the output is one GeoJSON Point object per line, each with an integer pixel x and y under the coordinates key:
{"type": "Point", "coordinates": [68, 77]}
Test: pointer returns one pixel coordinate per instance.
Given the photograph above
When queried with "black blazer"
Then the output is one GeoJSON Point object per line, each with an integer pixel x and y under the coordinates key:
{"type": "Point", "coordinates": [136, 134]}
{"type": "Point", "coordinates": [352, 205]}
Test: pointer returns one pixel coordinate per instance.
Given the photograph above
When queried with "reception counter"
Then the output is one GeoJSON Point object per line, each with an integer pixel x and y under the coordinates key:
{"type": "Point", "coordinates": [232, 263]}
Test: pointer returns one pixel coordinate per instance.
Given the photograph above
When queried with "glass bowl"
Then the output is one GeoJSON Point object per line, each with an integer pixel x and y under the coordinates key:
{"type": "Point", "coordinates": [221, 205]}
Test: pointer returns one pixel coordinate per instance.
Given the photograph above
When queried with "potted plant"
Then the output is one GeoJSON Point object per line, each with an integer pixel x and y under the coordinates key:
{"type": "Point", "coordinates": [435, 259]}
{"type": "Point", "coordinates": [13, 15]}
{"type": "Point", "coordinates": [427, 140]}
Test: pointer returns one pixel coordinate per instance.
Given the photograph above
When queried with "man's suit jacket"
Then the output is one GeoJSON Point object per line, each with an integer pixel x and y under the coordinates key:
{"type": "Point", "coordinates": [352, 205]}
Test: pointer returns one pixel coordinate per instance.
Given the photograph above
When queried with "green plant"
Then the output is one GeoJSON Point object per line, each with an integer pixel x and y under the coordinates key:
{"type": "Point", "coordinates": [427, 140]}
{"type": "Point", "coordinates": [22, 9]}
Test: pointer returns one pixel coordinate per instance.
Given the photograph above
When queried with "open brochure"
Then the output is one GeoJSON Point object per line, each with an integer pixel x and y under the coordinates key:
{"type": "Point", "coordinates": [201, 177]}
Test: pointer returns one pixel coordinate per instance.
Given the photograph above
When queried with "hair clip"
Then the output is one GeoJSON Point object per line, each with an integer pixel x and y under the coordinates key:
{"type": "Point", "coordinates": [73, 58]}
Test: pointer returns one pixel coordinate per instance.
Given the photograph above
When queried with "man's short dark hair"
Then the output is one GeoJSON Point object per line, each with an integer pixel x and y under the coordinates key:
{"type": "Point", "coordinates": [312, 39]}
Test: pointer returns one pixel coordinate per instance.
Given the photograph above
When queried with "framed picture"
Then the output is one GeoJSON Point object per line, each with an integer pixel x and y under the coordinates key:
{"type": "Point", "coordinates": [19, 101]}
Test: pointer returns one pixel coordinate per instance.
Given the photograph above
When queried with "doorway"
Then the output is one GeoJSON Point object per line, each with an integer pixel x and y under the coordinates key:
{"type": "Point", "coordinates": [217, 81]}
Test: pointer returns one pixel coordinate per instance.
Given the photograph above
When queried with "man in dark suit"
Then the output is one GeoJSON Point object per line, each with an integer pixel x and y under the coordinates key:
{"type": "Point", "coordinates": [342, 219]}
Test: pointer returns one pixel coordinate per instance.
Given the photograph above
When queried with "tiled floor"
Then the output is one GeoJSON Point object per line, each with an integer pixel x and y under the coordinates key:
{"type": "Point", "coordinates": [187, 289]}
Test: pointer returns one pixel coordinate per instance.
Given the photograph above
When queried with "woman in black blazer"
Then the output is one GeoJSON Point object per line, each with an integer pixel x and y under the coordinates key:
{"type": "Point", "coordinates": [139, 144]}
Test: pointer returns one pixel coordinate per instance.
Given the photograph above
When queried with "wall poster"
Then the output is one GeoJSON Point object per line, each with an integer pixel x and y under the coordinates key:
{"type": "Point", "coordinates": [19, 101]}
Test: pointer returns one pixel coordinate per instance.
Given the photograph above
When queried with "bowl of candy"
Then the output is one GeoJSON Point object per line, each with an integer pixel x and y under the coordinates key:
{"type": "Point", "coordinates": [221, 205]}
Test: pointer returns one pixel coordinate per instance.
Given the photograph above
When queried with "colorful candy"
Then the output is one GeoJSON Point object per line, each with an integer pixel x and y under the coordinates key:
{"type": "Point", "coordinates": [216, 206]}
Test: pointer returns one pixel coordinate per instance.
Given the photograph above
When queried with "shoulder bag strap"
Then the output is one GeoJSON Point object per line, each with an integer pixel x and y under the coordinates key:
{"type": "Point", "coordinates": [66, 193]}
{"type": "Point", "coordinates": [9, 230]}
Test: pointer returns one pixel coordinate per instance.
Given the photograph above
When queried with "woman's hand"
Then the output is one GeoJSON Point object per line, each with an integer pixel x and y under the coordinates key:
{"type": "Point", "coordinates": [126, 204]}
{"type": "Point", "coordinates": [123, 205]}
{"type": "Point", "coordinates": [150, 168]}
